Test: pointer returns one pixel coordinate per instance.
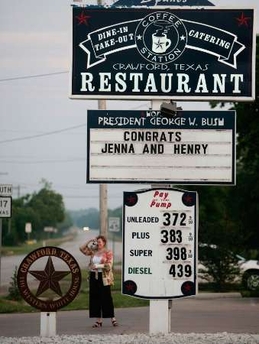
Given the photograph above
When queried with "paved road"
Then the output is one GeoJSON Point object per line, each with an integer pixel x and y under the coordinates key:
{"type": "Point", "coordinates": [9, 263]}
{"type": "Point", "coordinates": [206, 313]}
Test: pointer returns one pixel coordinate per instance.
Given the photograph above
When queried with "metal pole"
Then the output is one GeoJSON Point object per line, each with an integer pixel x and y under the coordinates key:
{"type": "Point", "coordinates": [103, 192]}
{"type": "Point", "coordinates": [103, 187]}
{"type": "Point", "coordinates": [103, 209]}
{"type": "Point", "coordinates": [159, 310]}
{"type": "Point", "coordinates": [0, 250]}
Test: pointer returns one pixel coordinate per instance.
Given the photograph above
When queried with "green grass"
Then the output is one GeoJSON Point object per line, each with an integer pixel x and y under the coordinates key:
{"type": "Point", "coordinates": [247, 293]}
{"type": "Point", "coordinates": [9, 306]}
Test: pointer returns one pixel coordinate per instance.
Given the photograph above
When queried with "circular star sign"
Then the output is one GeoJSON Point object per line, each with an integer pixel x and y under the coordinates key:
{"type": "Point", "coordinates": [49, 278]}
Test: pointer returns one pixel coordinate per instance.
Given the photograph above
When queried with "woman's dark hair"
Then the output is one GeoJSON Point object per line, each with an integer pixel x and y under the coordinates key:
{"type": "Point", "coordinates": [103, 238]}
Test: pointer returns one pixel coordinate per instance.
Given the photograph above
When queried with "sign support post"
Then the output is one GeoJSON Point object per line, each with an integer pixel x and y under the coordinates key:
{"type": "Point", "coordinates": [159, 310]}
{"type": "Point", "coordinates": [160, 316]}
{"type": "Point", "coordinates": [48, 322]}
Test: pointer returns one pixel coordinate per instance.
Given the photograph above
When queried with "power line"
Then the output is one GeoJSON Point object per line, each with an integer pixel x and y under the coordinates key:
{"type": "Point", "coordinates": [33, 76]}
{"type": "Point", "coordinates": [44, 134]}
{"type": "Point", "coordinates": [41, 161]}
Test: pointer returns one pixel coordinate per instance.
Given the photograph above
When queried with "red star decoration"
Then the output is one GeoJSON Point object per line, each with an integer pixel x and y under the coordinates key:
{"type": "Point", "coordinates": [243, 20]}
{"type": "Point", "coordinates": [83, 18]}
{"type": "Point", "coordinates": [131, 200]}
{"type": "Point", "coordinates": [130, 287]}
{"type": "Point", "coordinates": [188, 199]}
{"type": "Point", "coordinates": [49, 278]}
{"type": "Point", "coordinates": [188, 287]}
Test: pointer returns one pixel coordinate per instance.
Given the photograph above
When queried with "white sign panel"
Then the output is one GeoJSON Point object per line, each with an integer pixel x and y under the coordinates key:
{"type": "Point", "coordinates": [5, 206]}
{"type": "Point", "coordinates": [192, 147]}
{"type": "Point", "coordinates": [48, 229]}
{"type": "Point", "coordinates": [160, 243]}
{"type": "Point", "coordinates": [28, 227]}
{"type": "Point", "coordinates": [6, 189]}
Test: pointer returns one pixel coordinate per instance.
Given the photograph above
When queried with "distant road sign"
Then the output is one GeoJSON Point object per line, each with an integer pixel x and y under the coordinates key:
{"type": "Point", "coordinates": [28, 227]}
{"type": "Point", "coordinates": [48, 229]}
{"type": "Point", "coordinates": [5, 206]}
{"type": "Point", "coordinates": [192, 147]}
{"type": "Point", "coordinates": [114, 224]}
{"type": "Point", "coordinates": [6, 189]}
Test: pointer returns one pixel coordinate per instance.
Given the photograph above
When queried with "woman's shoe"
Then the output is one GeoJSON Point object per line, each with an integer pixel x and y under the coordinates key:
{"type": "Point", "coordinates": [114, 323]}
{"type": "Point", "coordinates": [97, 324]}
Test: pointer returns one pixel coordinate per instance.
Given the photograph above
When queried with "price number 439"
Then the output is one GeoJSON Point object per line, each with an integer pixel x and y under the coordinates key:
{"type": "Point", "coordinates": [180, 270]}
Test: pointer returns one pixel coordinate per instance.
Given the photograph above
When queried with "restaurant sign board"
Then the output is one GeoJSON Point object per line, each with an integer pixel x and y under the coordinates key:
{"type": "Point", "coordinates": [177, 53]}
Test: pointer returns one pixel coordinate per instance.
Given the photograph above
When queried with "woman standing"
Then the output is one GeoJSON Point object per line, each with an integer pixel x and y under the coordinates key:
{"type": "Point", "coordinates": [101, 279]}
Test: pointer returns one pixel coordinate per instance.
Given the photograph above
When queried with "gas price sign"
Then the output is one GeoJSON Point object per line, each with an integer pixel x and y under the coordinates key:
{"type": "Point", "coordinates": [159, 243]}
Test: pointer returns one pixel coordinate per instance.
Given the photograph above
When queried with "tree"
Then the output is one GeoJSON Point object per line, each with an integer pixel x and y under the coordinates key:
{"type": "Point", "coordinates": [43, 208]}
{"type": "Point", "coordinates": [14, 229]}
{"type": "Point", "coordinates": [221, 265]}
{"type": "Point", "coordinates": [49, 206]}
{"type": "Point", "coordinates": [229, 216]}
{"type": "Point", "coordinates": [243, 204]}
{"type": "Point", "coordinates": [65, 224]}
{"type": "Point", "coordinates": [86, 218]}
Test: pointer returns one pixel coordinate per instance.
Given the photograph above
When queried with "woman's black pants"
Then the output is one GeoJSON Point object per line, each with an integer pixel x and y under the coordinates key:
{"type": "Point", "coordinates": [100, 299]}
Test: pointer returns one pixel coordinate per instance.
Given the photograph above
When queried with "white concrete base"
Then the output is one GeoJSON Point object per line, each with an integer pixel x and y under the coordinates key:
{"type": "Point", "coordinates": [160, 316]}
{"type": "Point", "coordinates": [48, 324]}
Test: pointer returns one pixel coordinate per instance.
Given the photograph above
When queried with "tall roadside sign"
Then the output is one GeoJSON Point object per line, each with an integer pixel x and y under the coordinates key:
{"type": "Point", "coordinates": [174, 53]}
{"type": "Point", "coordinates": [155, 51]}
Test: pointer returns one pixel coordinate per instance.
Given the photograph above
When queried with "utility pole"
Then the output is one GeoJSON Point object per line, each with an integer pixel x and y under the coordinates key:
{"type": "Point", "coordinates": [103, 187]}
{"type": "Point", "coordinates": [18, 188]}
{"type": "Point", "coordinates": [103, 192]}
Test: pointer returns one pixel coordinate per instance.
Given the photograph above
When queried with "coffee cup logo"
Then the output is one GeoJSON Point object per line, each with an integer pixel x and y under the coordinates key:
{"type": "Point", "coordinates": [160, 43]}
{"type": "Point", "coordinates": [161, 37]}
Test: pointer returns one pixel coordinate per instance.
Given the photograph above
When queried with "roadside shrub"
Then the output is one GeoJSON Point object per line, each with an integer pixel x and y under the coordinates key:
{"type": "Point", "coordinates": [14, 293]}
